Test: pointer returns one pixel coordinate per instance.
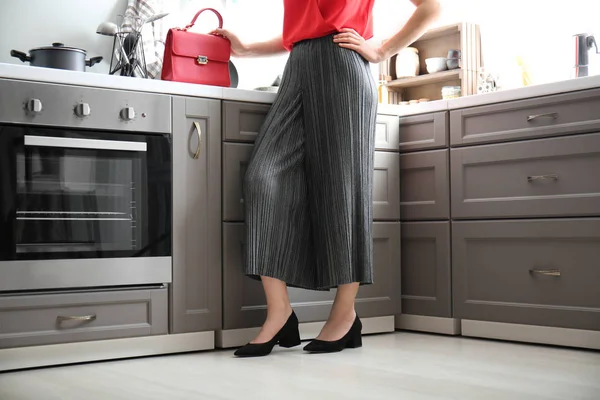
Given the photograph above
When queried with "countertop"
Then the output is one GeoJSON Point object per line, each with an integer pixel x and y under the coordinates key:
{"type": "Point", "coordinates": [25, 72]}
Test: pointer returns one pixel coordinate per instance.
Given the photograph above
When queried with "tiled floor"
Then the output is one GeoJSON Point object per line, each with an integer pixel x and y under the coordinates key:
{"type": "Point", "coordinates": [394, 366]}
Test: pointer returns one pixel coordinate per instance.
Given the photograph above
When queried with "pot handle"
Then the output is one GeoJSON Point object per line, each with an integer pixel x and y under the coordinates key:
{"type": "Point", "coordinates": [20, 55]}
{"type": "Point", "coordinates": [93, 61]}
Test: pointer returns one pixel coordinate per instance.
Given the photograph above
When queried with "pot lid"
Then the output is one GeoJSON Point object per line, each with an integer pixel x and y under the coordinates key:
{"type": "Point", "coordinates": [59, 46]}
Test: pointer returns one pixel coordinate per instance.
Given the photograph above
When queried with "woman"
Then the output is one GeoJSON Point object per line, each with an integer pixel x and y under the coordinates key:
{"type": "Point", "coordinates": [308, 187]}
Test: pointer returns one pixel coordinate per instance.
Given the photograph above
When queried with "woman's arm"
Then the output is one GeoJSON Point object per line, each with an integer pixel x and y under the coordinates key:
{"type": "Point", "coordinates": [240, 49]}
{"type": "Point", "coordinates": [426, 12]}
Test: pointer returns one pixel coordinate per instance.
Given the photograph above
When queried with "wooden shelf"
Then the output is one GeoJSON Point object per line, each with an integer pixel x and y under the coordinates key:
{"type": "Point", "coordinates": [425, 79]}
{"type": "Point", "coordinates": [440, 32]}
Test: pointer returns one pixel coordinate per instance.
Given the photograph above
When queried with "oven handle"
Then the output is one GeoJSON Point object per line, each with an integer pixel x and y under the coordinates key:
{"type": "Point", "coordinates": [76, 143]}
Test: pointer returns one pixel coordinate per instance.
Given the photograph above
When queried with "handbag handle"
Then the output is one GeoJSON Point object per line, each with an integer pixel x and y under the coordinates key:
{"type": "Point", "coordinates": [191, 24]}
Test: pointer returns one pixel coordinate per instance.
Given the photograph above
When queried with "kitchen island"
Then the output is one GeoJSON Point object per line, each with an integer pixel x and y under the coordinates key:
{"type": "Point", "coordinates": [485, 220]}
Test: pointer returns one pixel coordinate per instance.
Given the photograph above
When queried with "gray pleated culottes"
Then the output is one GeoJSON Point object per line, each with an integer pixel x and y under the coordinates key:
{"type": "Point", "coordinates": [308, 187]}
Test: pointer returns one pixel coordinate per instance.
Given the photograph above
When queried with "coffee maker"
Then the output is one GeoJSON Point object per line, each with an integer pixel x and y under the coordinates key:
{"type": "Point", "coordinates": [583, 44]}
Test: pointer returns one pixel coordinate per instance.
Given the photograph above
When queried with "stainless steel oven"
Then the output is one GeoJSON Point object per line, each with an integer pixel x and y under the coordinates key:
{"type": "Point", "coordinates": [85, 187]}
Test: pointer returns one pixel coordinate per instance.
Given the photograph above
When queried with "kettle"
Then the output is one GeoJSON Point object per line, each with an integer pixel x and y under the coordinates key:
{"type": "Point", "coordinates": [583, 44]}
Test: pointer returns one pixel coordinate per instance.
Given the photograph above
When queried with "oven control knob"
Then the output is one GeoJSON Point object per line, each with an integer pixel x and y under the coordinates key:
{"type": "Point", "coordinates": [83, 110]}
{"type": "Point", "coordinates": [128, 114]}
{"type": "Point", "coordinates": [34, 106]}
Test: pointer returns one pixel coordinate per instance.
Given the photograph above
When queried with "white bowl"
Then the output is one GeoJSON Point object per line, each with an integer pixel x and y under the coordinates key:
{"type": "Point", "coordinates": [436, 64]}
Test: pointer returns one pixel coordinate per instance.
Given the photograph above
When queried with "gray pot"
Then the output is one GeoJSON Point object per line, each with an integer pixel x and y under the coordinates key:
{"type": "Point", "coordinates": [57, 56]}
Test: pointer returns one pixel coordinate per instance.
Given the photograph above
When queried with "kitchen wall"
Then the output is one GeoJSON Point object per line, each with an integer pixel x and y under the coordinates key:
{"type": "Point", "coordinates": [26, 24]}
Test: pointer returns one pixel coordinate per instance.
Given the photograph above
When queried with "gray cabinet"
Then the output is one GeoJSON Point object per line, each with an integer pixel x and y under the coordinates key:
{"type": "Point", "coordinates": [424, 132]}
{"type": "Point", "coordinates": [424, 186]}
{"type": "Point", "coordinates": [243, 298]}
{"type": "Point", "coordinates": [196, 288]}
{"type": "Point", "coordinates": [40, 319]}
{"type": "Point", "coordinates": [426, 283]}
{"type": "Point", "coordinates": [545, 177]}
{"type": "Point", "coordinates": [242, 121]}
{"type": "Point", "coordinates": [543, 272]}
{"type": "Point", "coordinates": [561, 114]}
{"type": "Point", "coordinates": [387, 132]}
{"type": "Point", "coordinates": [386, 187]}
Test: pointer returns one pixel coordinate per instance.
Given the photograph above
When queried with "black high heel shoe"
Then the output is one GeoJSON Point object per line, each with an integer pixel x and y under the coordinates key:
{"type": "Point", "coordinates": [288, 336]}
{"type": "Point", "coordinates": [351, 340]}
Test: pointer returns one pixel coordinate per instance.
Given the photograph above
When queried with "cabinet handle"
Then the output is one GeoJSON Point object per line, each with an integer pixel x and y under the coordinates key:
{"type": "Point", "coordinates": [195, 154]}
{"type": "Point", "coordinates": [542, 177]}
{"type": "Point", "coordinates": [62, 318]}
{"type": "Point", "coordinates": [547, 272]}
{"type": "Point", "coordinates": [536, 116]}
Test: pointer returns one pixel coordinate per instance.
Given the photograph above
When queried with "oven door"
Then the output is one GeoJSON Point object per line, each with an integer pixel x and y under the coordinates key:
{"type": "Point", "coordinates": [83, 209]}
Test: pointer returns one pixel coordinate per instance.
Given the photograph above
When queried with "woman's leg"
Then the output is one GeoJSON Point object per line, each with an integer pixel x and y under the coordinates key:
{"type": "Point", "coordinates": [278, 308]}
{"type": "Point", "coordinates": [342, 313]}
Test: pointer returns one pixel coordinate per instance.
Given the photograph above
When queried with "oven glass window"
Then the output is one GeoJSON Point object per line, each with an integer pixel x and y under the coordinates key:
{"type": "Point", "coordinates": [77, 195]}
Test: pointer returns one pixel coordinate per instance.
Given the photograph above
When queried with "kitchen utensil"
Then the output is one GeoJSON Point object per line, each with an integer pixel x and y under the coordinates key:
{"type": "Point", "coordinates": [155, 17]}
{"type": "Point", "coordinates": [57, 56]}
{"type": "Point", "coordinates": [233, 75]}
{"type": "Point", "coordinates": [436, 64]}
{"type": "Point", "coordinates": [107, 29]}
{"type": "Point", "coordinates": [583, 44]}
{"type": "Point", "coordinates": [407, 63]}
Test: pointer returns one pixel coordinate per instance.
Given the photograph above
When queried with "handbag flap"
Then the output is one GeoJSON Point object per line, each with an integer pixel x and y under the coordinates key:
{"type": "Point", "coordinates": [192, 45]}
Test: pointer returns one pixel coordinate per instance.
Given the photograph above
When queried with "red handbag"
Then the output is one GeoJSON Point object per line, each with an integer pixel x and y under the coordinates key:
{"type": "Point", "coordinates": [196, 57]}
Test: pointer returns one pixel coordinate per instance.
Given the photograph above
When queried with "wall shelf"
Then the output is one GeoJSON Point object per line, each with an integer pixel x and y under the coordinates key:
{"type": "Point", "coordinates": [426, 79]}
{"type": "Point", "coordinates": [436, 42]}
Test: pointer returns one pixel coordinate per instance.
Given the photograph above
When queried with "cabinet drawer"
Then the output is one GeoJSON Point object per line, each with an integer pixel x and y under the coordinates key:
{"type": "Point", "coordinates": [543, 272]}
{"type": "Point", "coordinates": [386, 187]}
{"type": "Point", "coordinates": [242, 121]}
{"type": "Point", "coordinates": [421, 132]}
{"type": "Point", "coordinates": [548, 177]}
{"type": "Point", "coordinates": [387, 132]}
{"type": "Point", "coordinates": [244, 304]}
{"type": "Point", "coordinates": [426, 269]}
{"type": "Point", "coordinates": [30, 320]}
{"type": "Point", "coordinates": [525, 119]}
{"type": "Point", "coordinates": [424, 186]}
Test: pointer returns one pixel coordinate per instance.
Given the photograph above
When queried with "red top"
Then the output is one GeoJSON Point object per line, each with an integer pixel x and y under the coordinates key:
{"type": "Point", "coordinates": [310, 19]}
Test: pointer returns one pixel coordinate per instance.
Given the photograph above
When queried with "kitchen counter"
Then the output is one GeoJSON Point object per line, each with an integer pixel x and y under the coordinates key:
{"type": "Point", "coordinates": [24, 72]}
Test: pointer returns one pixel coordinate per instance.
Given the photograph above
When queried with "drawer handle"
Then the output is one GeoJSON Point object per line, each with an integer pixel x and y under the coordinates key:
{"type": "Point", "coordinates": [536, 116]}
{"type": "Point", "coordinates": [547, 272]}
{"type": "Point", "coordinates": [198, 129]}
{"type": "Point", "coordinates": [542, 177]}
{"type": "Point", "coordinates": [63, 318]}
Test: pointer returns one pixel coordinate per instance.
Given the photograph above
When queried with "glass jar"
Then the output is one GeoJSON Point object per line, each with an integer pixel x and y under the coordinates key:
{"type": "Point", "coordinates": [451, 92]}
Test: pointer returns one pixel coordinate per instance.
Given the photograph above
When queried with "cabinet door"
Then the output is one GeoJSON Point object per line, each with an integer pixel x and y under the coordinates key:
{"type": "Point", "coordinates": [424, 186]}
{"type": "Point", "coordinates": [386, 186]}
{"type": "Point", "coordinates": [426, 269]}
{"type": "Point", "coordinates": [242, 121]}
{"type": "Point", "coordinates": [556, 115]}
{"type": "Point", "coordinates": [387, 132]}
{"type": "Point", "coordinates": [196, 288]}
{"type": "Point", "coordinates": [421, 132]}
{"type": "Point", "coordinates": [538, 178]}
{"type": "Point", "coordinates": [532, 272]}
{"type": "Point", "coordinates": [235, 162]}
{"type": "Point", "coordinates": [244, 300]}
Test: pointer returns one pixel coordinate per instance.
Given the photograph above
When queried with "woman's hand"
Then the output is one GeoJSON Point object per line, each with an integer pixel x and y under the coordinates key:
{"type": "Point", "coordinates": [238, 48]}
{"type": "Point", "coordinates": [350, 39]}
